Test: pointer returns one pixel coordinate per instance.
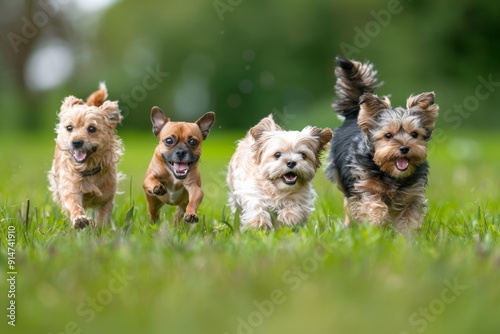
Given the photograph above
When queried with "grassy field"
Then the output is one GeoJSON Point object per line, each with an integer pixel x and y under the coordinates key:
{"type": "Point", "coordinates": [208, 278]}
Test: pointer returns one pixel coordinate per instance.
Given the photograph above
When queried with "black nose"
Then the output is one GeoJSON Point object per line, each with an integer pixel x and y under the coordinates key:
{"type": "Point", "coordinates": [180, 153]}
{"type": "Point", "coordinates": [77, 143]}
{"type": "Point", "coordinates": [291, 164]}
{"type": "Point", "coordinates": [404, 149]}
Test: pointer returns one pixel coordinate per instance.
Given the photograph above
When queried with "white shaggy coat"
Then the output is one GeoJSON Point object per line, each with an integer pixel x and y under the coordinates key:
{"type": "Point", "coordinates": [270, 175]}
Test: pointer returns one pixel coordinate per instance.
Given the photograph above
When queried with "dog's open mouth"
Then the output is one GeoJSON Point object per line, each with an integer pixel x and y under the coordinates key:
{"type": "Point", "coordinates": [290, 178]}
{"type": "Point", "coordinates": [180, 169]}
{"type": "Point", "coordinates": [402, 164]}
{"type": "Point", "coordinates": [81, 156]}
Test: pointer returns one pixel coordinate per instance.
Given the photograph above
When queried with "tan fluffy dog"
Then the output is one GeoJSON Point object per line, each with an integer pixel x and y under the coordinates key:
{"type": "Point", "coordinates": [173, 177]}
{"type": "Point", "coordinates": [84, 171]}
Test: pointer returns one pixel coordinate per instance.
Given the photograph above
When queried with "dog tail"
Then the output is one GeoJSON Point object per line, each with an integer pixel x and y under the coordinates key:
{"type": "Point", "coordinates": [98, 97]}
{"type": "Point", "coordinates": [353, 80]}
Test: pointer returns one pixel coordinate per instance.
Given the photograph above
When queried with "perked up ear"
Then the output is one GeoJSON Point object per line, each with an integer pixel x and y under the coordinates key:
{"type": "Point", "coordinates": [112, 111]}
{"type": "Point", "coordinates": [324, 136]}
{"type": "Point", "coordinates": [98, 97]}
{"type": "Point", "coordinates": [158, 119]}
{"type": "Point", "coordinates": [370, 107]}
{"type": "Point", "coordinates": [265, 124]}
{"type": "Point", "coordinates": [69, 102]}
{"type": "Point", "coordinates": [205, 122]}
{"type": "Point", "coordinates": [423, 104]}
{"type": "Point", "coordinates": [423, 100]}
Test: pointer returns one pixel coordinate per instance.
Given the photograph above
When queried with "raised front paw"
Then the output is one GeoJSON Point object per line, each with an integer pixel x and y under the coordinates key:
{"type": "Point", "coordinates": [191, 218]}
{"type": "Point", "coordinates": [82, 222]}
{"type": "Point", "coordinates": [159, 190]}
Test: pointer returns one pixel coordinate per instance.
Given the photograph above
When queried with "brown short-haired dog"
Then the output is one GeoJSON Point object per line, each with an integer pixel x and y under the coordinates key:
{"type": "Point", "coordinates": [84, 170]}
{"type": "Point", "coordinates": [173, 177]}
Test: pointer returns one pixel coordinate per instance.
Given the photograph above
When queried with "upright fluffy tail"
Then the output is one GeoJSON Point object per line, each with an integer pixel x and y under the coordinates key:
{"type": "Point", "coordinates": [98, 97]}
{"type": "Point", "coordinates": [353, 80]}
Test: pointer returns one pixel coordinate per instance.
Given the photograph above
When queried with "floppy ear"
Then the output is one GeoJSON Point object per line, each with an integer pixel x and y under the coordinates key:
{"type": "Point", "coordinates": [98, 97]}
{"type": "Point", "coordinates": [158, 119]}
{"type": "Point", "coordinates": [205, 122]}
{"type": "Point", "coordinates": [112, 112]}
{"type": "Point", "coordinates": [424, 106]}
{"type": "Point", "coordinates": [265, 124]}
{"type": "Point", "coordinates": [370, 107]}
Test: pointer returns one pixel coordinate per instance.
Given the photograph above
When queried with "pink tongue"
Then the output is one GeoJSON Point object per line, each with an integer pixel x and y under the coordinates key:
{"type": "Point", "coordinates": [80, 155]}
{"type": "Point", "coordinates": [402, 163]}
{"type": "Point", "coordinates": [180, 167]}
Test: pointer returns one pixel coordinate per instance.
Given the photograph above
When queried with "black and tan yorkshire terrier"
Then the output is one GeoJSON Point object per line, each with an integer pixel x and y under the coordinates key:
{"type": "Point", "coordinates": [378, 156]}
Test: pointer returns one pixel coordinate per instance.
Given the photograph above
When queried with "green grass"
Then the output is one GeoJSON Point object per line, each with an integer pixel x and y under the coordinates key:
{"type": "Point", "coordinates": [209, 278]}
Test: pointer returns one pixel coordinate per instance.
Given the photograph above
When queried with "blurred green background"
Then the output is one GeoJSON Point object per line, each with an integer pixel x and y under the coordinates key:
{"type": "Point", "coordinates": [244, 59]}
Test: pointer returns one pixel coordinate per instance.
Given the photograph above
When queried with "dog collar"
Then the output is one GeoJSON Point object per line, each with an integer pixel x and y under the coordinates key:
{"type": "Point", "coordinates": [91, 172]}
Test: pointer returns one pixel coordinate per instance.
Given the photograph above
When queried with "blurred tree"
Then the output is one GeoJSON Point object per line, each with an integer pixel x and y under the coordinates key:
{"type": "Point", "coordinates": [26, 26]}
{"type": "Point", "coordinates": [261, 56]}
{"type": "Point", "coordinates": [241, 59]}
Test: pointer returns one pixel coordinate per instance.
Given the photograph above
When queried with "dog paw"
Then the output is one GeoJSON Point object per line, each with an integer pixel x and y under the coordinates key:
{"type": "Point", "coordinates": [191, 218]}
{"type": "Point", "coordinates": [378, 215]}
{"type": "Point", "coordinates": [159, 190]}
{"type": "Point", "coordinates": [292, 218]}
{"type": "Point", "coordinates": [81, 222]}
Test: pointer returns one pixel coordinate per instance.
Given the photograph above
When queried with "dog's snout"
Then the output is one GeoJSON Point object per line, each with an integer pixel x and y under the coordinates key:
{"type": "Point", "coordinates": [77, 143]}
{"type": "Point", "coordinates": [180, 153]}
{"type": "Point", "coordinates": [404, 149]}
{"type": "Point", "coordinates": [291, 164]}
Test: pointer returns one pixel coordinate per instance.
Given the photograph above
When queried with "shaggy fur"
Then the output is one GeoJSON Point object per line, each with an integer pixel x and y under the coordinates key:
{"type": "Point", "coordinates": [271, 173]}
{"type": "Point", "coordinates": [378, 156]}
{"type": "Point", "coordinates": [84, 170]}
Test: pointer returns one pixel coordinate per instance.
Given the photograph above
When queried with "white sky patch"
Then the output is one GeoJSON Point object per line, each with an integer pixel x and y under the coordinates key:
{"type": "Point", "coordinates": [94, 5]}
{"type": "Point", "coordinates": [49, 66]}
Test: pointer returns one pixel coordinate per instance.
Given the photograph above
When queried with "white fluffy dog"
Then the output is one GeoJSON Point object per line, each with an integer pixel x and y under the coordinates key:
{"type": "Point", "coordinates": [271, 173]}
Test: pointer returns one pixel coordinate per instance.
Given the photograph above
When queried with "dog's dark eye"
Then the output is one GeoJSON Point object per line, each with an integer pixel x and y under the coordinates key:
{"type": "Point", "coordinates": [414, 135]}
{"type": "Point", "coordinates": [388, 135]}
{"type": "Point", "coordinates": [192, 142]}
{"type": "Point", "coordinates": [91, 129]}
{"type": "Point", "coordinates": [169, 141]}
{"type": "Point", "coordinates": [69, 128]}
{"type": "Point", "coordinates": [277, 155]}
{"type": "Point", "coordinates": [304, 156]}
